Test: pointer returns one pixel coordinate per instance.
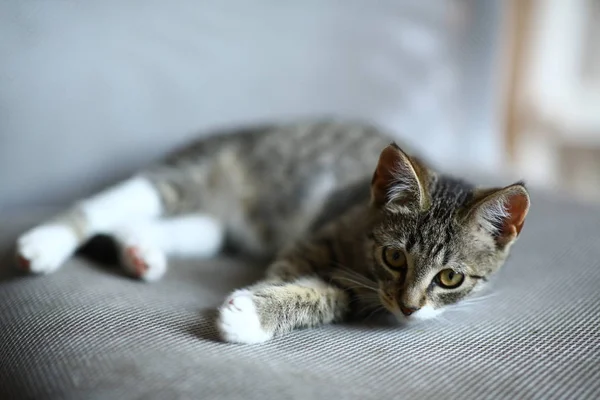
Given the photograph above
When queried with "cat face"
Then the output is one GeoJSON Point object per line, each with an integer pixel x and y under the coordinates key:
{"type": "Point", "coordinates": [436, 239]}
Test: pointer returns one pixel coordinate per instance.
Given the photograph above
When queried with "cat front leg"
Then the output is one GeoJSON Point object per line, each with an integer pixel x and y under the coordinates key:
{"type": "Point", "coordinates": [266, 309]}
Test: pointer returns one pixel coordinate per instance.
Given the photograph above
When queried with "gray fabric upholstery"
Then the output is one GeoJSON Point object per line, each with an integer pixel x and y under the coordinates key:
{"type": "Point", "coordinates": [88, 332]}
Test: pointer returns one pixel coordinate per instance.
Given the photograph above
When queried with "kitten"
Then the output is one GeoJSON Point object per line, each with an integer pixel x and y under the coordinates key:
{"type": "Point", "coordinates": [353, 223]}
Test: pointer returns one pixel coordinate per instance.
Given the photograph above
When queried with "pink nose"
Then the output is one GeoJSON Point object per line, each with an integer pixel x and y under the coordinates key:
{"type": "Point", "coordinates": [407, 310]}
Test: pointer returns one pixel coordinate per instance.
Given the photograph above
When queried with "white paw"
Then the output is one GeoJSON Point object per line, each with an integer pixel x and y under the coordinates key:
{"type": "Point", "coordinates": [238, 320]}
{"type": "Point", "coordinates": [45, 248]}
{"type": "Point", "coordinates": [142, 259]}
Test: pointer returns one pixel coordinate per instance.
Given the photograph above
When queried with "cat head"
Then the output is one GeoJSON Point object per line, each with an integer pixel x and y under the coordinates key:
{"type": "Point", "coordinates": [436, 239]}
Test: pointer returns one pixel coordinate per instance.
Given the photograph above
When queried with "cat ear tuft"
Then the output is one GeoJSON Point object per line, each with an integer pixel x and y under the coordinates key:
{"type": "Point", "coordinates": [501, 212]}
{"type": "Point", "coordinates": [399, 180]}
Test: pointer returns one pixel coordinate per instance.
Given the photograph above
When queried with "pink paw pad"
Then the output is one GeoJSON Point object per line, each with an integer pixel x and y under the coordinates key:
{"type": "Point", "coordinates": [138, 262]}
{"type": "Point", "coordinates": [23, 263]}
{"type": "Point", "coordinates": [231, 303]}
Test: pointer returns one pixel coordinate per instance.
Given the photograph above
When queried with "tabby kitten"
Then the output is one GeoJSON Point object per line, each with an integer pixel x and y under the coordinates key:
{"type": "Point", "coordinates": [353, 224]}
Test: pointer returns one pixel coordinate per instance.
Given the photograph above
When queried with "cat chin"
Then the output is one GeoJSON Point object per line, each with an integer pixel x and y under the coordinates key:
{"type": "Point", "coordinates": [424, 314]}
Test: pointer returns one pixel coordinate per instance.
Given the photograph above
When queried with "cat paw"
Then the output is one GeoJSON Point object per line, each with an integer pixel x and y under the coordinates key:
{"type": "Point", "coordinates": [45, 248]}
{"type": "Point", "coordinates": [238, 320]}
{"type": "Point", "coordinates": [143, 261]}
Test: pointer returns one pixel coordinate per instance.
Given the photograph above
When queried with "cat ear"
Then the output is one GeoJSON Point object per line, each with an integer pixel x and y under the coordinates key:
{"type": "Point", "coordinates": [399, 180]}
{"type": "Point", "coordinates": [501, 212]}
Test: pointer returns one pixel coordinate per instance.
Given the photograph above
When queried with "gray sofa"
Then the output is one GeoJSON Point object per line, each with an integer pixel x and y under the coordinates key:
{"type": "Point", "coordinates": [90, 91]}
{"type": "Point", "coordinates": [89, 332]}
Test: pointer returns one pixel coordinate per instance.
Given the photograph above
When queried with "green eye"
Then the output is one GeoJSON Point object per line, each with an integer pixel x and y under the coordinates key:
{"type": "Point", "coordinates": [449, 279]}
{"type": "Point", "coordinates": [394, 258]}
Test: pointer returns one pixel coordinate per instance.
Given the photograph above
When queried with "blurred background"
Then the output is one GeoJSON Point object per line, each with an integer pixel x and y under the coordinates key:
{"type": "Point", "coordinates": [91, 91]}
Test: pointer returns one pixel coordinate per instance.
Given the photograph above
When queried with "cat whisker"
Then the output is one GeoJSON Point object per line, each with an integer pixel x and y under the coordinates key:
{"type": "Point", "coordinates": [473, 301]}
{"type": "Point", "coordinates": [360, 284]}
{"type": "Point", "coordinates": [370, 295]}
{"type": "Point", "coordinates": [355, 300]}
{"type": "Point", "coordinates": [478, 299]}
{"type": "Point", "coordinates": [353, 273]}
{"type": "Point", "coordinates": [380, 308]}
{"type": "Point", "coordinates": [356, 287]}
{"type": "Point", "coordinates": [370, 303]}
{"type": "Point", "coordinates": [468, 304]}
{"type": "Point", "coordinates": [367, 297]}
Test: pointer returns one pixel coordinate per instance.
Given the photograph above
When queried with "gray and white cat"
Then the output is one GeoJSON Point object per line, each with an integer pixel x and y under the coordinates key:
{"type": "Point", "coordinates": [353, 224]}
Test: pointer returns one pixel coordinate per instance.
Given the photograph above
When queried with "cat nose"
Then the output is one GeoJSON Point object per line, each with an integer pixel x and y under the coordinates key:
{"type": "Point", "coordinates": [407, 310]}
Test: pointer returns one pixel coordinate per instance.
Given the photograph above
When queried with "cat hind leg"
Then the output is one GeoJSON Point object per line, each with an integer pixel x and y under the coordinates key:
{"type": "Point", "coordinates": [44, 248]}
{"type": "Point", "coordinates": [145, 246]}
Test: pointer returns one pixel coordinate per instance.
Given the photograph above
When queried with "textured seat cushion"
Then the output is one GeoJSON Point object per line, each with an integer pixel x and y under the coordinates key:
{"type": "Point", "coordinates": [89, 332]}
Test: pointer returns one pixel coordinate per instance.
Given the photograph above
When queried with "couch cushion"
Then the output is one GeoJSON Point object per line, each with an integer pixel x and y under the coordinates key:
{"type": "Point", "coordinates": [87, 331]}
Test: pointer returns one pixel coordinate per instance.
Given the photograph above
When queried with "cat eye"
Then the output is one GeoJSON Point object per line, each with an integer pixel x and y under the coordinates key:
{"type": "Point", "coordinates": [394, 258]}
{"type": "Point", "coordinates": [449, 279]}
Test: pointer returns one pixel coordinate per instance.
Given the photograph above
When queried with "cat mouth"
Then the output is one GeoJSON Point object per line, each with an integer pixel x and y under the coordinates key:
{"type": "Point", "coordinates": [392, 307]}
